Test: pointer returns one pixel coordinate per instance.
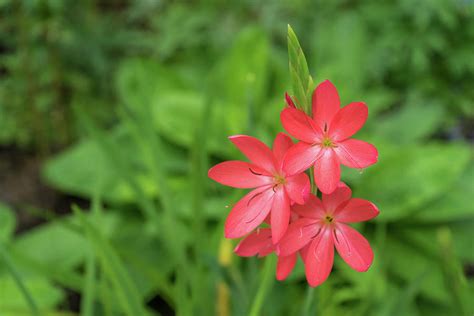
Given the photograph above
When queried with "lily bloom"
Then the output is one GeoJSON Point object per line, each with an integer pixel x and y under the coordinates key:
{"type": "Point", "coordinates": [325, 138]}
{"type": "Point", "coordinates": [323, 225]}
{"type": "Point", "coordinates": [275, 188]}
{"type": "Point", "coordinates": [259, 243]}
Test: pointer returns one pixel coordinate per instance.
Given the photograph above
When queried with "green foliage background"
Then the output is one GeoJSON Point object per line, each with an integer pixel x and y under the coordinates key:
{"type": "Point", "coordinates": [131, 102]}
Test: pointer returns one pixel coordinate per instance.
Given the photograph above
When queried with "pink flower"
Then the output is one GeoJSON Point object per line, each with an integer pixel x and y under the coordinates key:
{"type": "Point", "coordinates": [325, 139]}
{"type": "Point", "coordinates": [321, 226]}
{"type": "Point", "coordinates": [260, 243]}
{"type": "Point", "coordinates": [276, 188]}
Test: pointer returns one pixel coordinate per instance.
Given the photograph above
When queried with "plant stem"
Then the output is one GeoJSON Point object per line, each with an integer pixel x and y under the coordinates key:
{"type": "Point", "coordinates": [266, 283]}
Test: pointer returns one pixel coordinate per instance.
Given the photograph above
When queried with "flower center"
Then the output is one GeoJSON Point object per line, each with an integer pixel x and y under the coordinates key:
{"type": "Point", "coordinates": [327, 142]}
{"type": "Point", "coordinates": [328, 219]}
{"type": "Point", "coordinates": [278, 179]}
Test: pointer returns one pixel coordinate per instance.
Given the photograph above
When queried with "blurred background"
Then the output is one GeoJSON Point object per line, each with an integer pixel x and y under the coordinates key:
{"type": "Point", "coordinates": [111, 113]}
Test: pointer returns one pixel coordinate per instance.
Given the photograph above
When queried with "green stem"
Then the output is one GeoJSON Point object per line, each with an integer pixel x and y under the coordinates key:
{"type": "Point", "coordinates": [19, 282]}
{"type": "Point", "coordinates": [266, 283]}
{"type": "Point", "coordinates": [314, 188]}
{"type": "Point", "coordinates": [311, 294]}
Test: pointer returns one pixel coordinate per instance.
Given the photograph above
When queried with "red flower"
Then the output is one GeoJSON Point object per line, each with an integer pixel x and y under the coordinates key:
{"type": "Point", "coordinates": [325, 138]}
{"type": "Point", "coordinates": [275, 189]}
{"type": "Point", "coordinates": [260, 243]}
{"type": "Point", "coordinates": [322, 226]}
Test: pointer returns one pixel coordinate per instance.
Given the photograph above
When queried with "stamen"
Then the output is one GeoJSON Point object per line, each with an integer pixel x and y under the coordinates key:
{"type": "Point", "coordinates": [255, 173]}
{"type": "Point", "coordinates": [246, 222]}
{"type": "Point", "coordinates": [317, 233]}
{"type": "Point", "coordinates": [335, 235]}
{"type": "Point", "coordinates": [253, 197]}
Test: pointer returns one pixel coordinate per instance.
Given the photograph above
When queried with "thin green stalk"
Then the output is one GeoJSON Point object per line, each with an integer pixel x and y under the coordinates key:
{"type": "Point", "coordinates": [265, 285]}
{"type": "Point", "coordinates": [308, 302]}
{"type": "Point", "coordinates": [19, 282]}
{"type": "Point", "coordinates": [87, 303]}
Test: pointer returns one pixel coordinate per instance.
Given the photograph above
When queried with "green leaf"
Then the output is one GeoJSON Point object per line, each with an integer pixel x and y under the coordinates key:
{"type": "Point", "coordinates": [422, 119]}
{"type": "Point", "coordinates": [7, 223]}
{"type": "Point", "coordinates": [407, 178]}
{"type": "Point", "coordinates": [52, 244]}
{"type": "Point", "coordinates": [301, 80]}
{"type": "Point", "coordinates": [12, 302]}
{"type": "Point", "coordinates": [454, 205]}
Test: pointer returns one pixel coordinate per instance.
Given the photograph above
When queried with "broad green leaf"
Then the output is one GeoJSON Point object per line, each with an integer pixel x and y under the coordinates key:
{"type": "Point", "coordinates": [12, 302]}
{"type": "Point", "coordinates": [423, 120]}
{"type": "Point", "coordinates": [52, 244]}
{"type": "Point", "coordinates": [453, 205]}
{"type": "Point", "coordinates": [407, 178]}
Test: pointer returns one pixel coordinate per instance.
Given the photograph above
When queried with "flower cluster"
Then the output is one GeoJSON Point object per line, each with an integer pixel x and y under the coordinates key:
{"type": "Point", "coordinates": [294, 220]}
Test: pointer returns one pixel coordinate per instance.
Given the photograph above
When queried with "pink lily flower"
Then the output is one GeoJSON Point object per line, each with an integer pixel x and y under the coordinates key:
{"type": "Point", "coordinates": [325, 138]}
{"type": "Point", "coordinates": [275, 188]}
{"type": "Point", "coordinates": [259, 243]}
{"type": "Point", "coordinates": [323, 225]}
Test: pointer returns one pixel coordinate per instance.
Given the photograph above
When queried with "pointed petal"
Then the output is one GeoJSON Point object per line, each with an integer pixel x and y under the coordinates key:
{"type": "Point", "coordinates": [326, 104]}
{"type": "Point", "coordinates": [281, 145]}
{"type": "Point", "coordinates": [256, 151]}
{"type": "Point", "coordinates": [340, 195]}
{"type": "Point", "coordinates": [285, 265]}
{"type": "Point", "coordinates": [300, 125]}
{"type": "Point", "coordinates": [298, 235]}
{"type": "Point", "coordinates": [300, 157]}
{"type": "Point", "coordinates": [327, 171]}
{"type": "Point", "coordinates": [298, 187]}
{"type": "Point", "coordinates": [249, 212]}
{"type": "Point", "coordinates": [356, 153]}
{"type": "Point", "coordinates": [313, 208]}
{"type": "Point", "coordinates": [353, 247]}
{"type": "Point", "coordinates": [304, 251]}
{"type": "Point", "coordinates": [289, 101]}
{"type": "Point", "coordinates": [239, 174]}
{"type": "Point", "coordinates": [280, 215]}
{"type": "Point", "coordinates": [320, 258]}
{"type": "Point", "coordinates": [258, 242]}
{"type": "Point", "coordinates": [356, 210]}
{"type": "Point", "coordinates": [348, 121]}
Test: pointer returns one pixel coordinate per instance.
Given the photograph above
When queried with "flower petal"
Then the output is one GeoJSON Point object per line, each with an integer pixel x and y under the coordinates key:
{"type": "Point", "coordinates": [304, 251]}
{"type": "Point", "coordinates": [348, 121]}
{"type": "Point", "coordinates": [298, 234]}
{"type": "Point", "coordinates": [326, 103]}
{"type": "Point", "coordinates": [256, 151]}
{"type": "Point", "coordinates": [313, 208]}
{"type": "Point", "coordinates": [356, 210]}
{"type": "Point", "coordinates": [298, 187]}
{"type": "Point", "coordinates": [258, 242]}
{"type": "Point", "coordinates": [300, 125]}
{"type": "Point", "coordinates": [300, 157]}
{"type": "Point", "coordinates": [340, 195]}
{"type": "Point", "coordinates": [285, 265]}
{"type": "Point", "coordinates": [356, 153]}
{"type": "Point", "coordinates": [281, 145]}
{"type": "Point", "coordinates": [353, 247]}
{"type": "Point", "coordinates": [320, 258]}
{"type": "Point", "coordinates": [280, 215]}
{"type": "Point", "coordinates": [249, 212]}
{"type": "Point", "coordinates": [239, 174]}
{"type": "Point", "coordinates": [327, 171]}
